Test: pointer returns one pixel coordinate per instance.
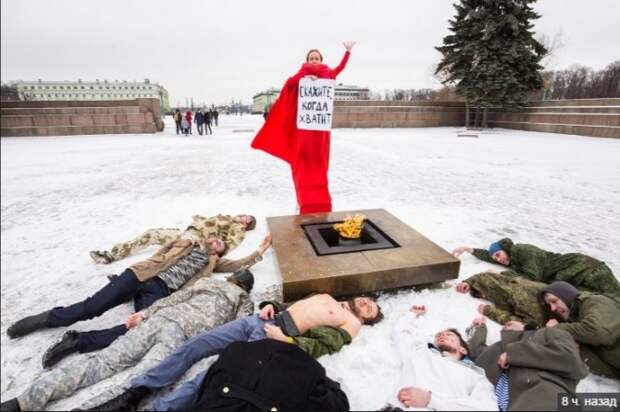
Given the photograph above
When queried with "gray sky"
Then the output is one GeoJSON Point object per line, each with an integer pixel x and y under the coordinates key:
{"type": "Point", "coordinates": [218, 50]}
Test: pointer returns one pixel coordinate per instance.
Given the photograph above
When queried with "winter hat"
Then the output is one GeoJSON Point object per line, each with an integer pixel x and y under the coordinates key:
{"type": "Point", "coordinates": [243, 278]}
{"type": "Point", "coordinates": [495, 247]}
{"type": "Point", "coordinates": [563, 290]}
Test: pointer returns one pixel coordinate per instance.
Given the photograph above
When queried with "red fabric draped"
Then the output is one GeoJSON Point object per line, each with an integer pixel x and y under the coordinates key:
{"type": "Point", "coordinates": [307, 151]}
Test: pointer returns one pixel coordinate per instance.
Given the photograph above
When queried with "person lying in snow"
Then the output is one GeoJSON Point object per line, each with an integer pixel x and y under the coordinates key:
{"type": "Point", "coordinates": [438, 375]}
{"type": "Point", "coordinates": [514, 298]}
{"type": "Point", "coordinates": [318, 325]}
{"type": "Point", "coordinates": [154, 333]}
{"type": "Point", "coordinates": [231, 229]}
{"type": "Point", "coordinates": [594, 322]}
{"type": "Point", "coordinates": [250, 376]}
{"type": "Point", "coordinates": [178, 264]}
{"type": "Point", "coordinates": [528, 368]}
{"type": "Point", "coordinates": [582, 271]}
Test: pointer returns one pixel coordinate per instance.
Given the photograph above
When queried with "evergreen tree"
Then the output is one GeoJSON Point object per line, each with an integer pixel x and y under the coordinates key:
{"type": "Point", "coordinates": [491, 56]}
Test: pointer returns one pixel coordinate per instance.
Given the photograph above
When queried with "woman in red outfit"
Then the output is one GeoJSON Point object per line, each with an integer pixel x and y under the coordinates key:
{"type": "Point", "coordinates": [307, 151]}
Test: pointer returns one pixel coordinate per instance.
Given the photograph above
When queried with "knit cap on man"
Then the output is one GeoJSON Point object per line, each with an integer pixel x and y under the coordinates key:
{"type": "Point", "coordinates": [563, 290]}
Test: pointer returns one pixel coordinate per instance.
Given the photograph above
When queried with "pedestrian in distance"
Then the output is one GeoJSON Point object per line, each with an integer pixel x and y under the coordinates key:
{"type": "Point", "coordinates": [177, 116]}
{"type": "Point", "coordinates": [199, 119]}
{"type": "Point", "coordinates": [208, 120]}
{"type": "Point", "coordinates": [188, 117]}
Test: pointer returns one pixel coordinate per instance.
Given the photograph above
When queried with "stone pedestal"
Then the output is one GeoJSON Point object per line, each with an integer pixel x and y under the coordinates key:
{"type": "Point", "coordinates": [412, 259]}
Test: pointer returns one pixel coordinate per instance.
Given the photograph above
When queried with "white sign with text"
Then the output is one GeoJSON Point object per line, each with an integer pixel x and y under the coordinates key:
{"type": "Point", "coordinates": [315, 104]}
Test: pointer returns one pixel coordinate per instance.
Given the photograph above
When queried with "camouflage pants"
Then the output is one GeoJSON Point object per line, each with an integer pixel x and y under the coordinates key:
{"type": "Point", "coordinates": [142, 348]}
{"type": "Point", "coordinates": [598, 279]}
{"type": "Point", "coordinates": [151, 237]}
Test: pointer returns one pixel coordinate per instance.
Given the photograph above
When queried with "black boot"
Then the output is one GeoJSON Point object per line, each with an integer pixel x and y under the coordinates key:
{"type": "Point", "coordinates": [65, 347]}
{"type": "Point", "coordinates": [10, 406]}
{"type": "Point", "coordinates": [28, 325]}
{"type": "Point", "coordinates": [126, 401]}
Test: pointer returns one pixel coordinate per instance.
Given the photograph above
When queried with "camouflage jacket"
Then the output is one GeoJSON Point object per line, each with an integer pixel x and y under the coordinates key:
{"type": "Point", "coordinates": [209, 303]}
{"type": "Point", "coordinates": [515, 298]}
{"type": "Point", "coordinates": [319, 341]}
{"type": "Point", "coordinates": [220, 226]}
{"type": "Point", "coordinates": [595, 321]}
{"type": "Point", "coordinates": [170, 253]}
{"type": "Point", "coordinates": [534, 263]}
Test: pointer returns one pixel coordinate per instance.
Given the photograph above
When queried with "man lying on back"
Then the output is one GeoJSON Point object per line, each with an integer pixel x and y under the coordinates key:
{"type": "Point", "coordinates": [318, 325]}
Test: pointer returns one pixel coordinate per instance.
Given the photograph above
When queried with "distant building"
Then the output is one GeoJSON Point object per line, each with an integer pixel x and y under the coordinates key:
{"type": "Point", "coordinates": [344, 92]}
{"type": "Point", "coordinates": [262, 101]}
{"type": "Point", "coordinates": [97, 90]}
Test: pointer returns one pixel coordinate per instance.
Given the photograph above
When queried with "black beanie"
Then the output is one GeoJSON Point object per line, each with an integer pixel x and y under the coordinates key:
{"type": "Point", "coordinates": [563, 290]}
{"type": "Point", "coordinates": [243, 278]}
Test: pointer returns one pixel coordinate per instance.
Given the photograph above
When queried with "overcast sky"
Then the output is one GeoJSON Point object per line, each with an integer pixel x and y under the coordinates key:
{"type": "Point", "coordinates": [218, 50]}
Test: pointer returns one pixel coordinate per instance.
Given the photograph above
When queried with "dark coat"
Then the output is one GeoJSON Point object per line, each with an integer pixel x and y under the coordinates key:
{"type": "Point", "coordinates": [208, 116]}
{"type": "Point", "coordinates": [268, 375]}
{"type": "Point", "coordinates": [543, 364]}
{"type": "Point", "coordinates": [199, 118]}
{"type": "Point", "coordinates": [594, 322]}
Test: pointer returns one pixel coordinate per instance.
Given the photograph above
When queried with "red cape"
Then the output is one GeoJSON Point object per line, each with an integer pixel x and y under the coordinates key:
{"type": "Point", "coordinates": [306, 151]}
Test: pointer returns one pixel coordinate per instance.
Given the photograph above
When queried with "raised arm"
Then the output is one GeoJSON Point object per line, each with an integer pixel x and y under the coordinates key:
{"type": "Point", "coordinates": [336, 70]}
{"type": "Point", "coordinates": [406, 331]}
{"type": "Point", "coordinates": [226, 265]}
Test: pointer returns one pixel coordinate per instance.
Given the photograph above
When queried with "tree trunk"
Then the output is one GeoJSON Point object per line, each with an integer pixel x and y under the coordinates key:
{"type": "Point", "coordinates": [466, 115]}
{"type": "Point", "coordinates": [477, 118]}
{"type": "Point", "coordinates": [484, 117]}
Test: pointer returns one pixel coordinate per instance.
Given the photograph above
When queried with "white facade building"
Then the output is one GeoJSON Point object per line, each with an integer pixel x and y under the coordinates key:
{"type": "Point", "coordinates": [97, 90]}
{"type": "Point", "coordinates": [344, 92]}
{"type": "Point", "coordinates": [265, 99]}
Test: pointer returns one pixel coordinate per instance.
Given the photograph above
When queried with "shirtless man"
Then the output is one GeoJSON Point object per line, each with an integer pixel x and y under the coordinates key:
{"type": "Point", "coordinates": [319, 310]}
{"type": "Point", "coordinates": [318, 324]}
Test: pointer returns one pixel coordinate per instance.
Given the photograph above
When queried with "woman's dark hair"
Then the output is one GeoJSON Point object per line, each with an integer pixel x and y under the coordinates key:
{"type": "Point", "coordinates": [313, 51]}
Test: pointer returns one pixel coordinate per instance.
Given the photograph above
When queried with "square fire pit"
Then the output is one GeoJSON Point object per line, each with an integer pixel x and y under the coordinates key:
{"type": "Point", "coordinates": [391, 255]}
{"type": "Point", "coordinates": [324, 239]}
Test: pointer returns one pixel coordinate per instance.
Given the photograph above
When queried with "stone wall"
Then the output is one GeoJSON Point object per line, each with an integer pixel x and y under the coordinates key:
{"type": "Point", "coordinates": [586, 117]}
{"type": "Point", "coordinates": [369, 113]}
{"type": "Point", "coordinates": [59, 118]}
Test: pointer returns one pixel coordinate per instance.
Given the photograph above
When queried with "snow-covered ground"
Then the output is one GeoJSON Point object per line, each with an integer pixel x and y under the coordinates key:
{"type": "Point", "coordinates": [64, 196]}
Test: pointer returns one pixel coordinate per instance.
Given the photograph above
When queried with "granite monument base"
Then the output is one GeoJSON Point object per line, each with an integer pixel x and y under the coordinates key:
{"type": "Point", "coordinates": [391, 255]}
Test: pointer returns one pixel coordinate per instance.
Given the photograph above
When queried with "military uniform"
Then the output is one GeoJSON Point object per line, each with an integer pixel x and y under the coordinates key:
{"type": "Point", "coordinates": [221, 226]}
{"type": "Point", "coordinates": [594, 322]}
{"type": "Point", "coordinates": [515, 298]}
{"type": "Point", "coordinates": [582, 271]}
{"type": "Point", "coordinates": [166, 325]}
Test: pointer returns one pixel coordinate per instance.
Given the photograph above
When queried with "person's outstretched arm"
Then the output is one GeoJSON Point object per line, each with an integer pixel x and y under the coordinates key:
{"type": "Point", "coordinates": [348, 45]}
